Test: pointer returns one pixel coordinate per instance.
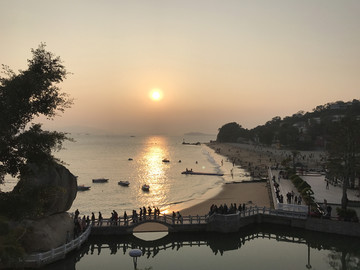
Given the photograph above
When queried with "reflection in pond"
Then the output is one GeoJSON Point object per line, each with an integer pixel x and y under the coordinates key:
{"type": "Point", "coordinates": [256, 248]}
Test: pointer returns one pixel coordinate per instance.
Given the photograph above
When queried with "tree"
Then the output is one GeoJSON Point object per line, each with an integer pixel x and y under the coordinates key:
{"type": "Point", "coordinates": [344, 153]}
{"type": "Point", "coordinates": [229, 132]}
{"type": "Point", "coordinates": [23, 97]}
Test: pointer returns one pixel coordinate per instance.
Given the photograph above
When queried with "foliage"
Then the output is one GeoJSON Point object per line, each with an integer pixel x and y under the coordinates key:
{"type": "Point", "coordinates": [30, 202]}
{"type": "Point", "coordinates": [24, 96]}
{"type": "Point", "coordinates": [10, 243]}
{"type": "Point", "coordinates": [344, 153]}
{"type": "Point", "coordinates": [347, 214]}
{"type": "Point", "coordinates": [302, 187]}
{"type": "Point", "coordinates": [301, 131]}
{"type": "Point", "coordinates": [231, 132]}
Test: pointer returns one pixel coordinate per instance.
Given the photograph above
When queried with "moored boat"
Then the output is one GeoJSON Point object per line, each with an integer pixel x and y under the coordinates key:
{"type": "Point", "coordinates": [100, 180]}
{"type": "Point", "coordinates": [124, 183]}
{"type": "Point", "coordinates": [145, 187]}
{"type": "Point", "coordinates": [82, 188]}
{"type": "Point", "coordinates": [201, 173]}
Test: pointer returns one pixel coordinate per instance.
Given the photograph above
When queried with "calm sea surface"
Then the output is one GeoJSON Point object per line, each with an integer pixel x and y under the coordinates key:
{"type": "Point", "coordinates": [104, 156]}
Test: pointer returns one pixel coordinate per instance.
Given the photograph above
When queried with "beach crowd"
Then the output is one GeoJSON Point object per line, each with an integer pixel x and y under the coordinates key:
{"type": "Point", "coordinates": [223, 209]}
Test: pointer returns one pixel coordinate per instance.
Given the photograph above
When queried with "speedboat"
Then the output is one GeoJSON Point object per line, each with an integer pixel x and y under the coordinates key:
{"type": "Point", "coordinates": [100, 180]}
{"type": "Point", "coordinates": [83, 188]}
{"type": "Point", "coordinates": [145, 187]}
{"type": "Point", "coordinates": [124, 183]}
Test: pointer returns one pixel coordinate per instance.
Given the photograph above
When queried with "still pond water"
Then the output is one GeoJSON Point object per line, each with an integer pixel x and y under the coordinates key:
{"type": "Point", "coordinates": [258, 247]}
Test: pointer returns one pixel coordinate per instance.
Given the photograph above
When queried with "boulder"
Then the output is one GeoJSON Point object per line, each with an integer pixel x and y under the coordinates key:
{"type": "Point", "coordinates": [47, 233]}
{"type": "Point", "coordinates": [58, 184]}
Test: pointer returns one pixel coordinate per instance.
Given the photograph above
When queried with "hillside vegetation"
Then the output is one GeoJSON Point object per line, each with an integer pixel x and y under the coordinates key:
{"type": "Point", "coordinates": [302, 130]}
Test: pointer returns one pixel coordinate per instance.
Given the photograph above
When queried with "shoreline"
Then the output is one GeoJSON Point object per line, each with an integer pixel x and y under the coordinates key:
{"type": "Point", "coordinates": [247, 192]}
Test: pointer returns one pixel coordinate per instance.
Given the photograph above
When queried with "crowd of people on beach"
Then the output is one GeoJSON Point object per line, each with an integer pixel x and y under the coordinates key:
{"type": "Point", "coordinates": [223, 209]}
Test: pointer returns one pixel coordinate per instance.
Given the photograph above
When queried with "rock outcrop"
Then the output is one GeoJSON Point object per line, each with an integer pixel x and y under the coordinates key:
{"type": "Point", "coordinates": [47, 233]}
{"type": "Point", "coordinates": [53, 189]}
{"type": "Point", "coordinates": [58, 183]}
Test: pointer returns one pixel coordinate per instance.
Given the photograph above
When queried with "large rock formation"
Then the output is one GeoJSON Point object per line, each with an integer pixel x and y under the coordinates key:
{"type": "Point", "coordinates": [57, 182]}
{"type": "Point", "coordinates": [54, 188]}
{"type": "Point", "coordinates": [48, 232]}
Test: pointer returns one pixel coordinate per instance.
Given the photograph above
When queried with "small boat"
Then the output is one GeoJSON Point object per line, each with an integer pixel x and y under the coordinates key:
{"type": "Point", "coordinates": [145, 187]}
{"type": "Point", "coordinates": [83, 188]}
{"type": "Point", "coordinates": [100, 180]}
{"type": "Point", "coordinates": [124, 183]}
{"type": "Point", "coordinates": [165, 160]}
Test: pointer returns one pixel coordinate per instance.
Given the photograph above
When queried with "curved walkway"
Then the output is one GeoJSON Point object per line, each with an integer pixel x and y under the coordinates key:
{"type": "Point", "coordinates": [42, 258]}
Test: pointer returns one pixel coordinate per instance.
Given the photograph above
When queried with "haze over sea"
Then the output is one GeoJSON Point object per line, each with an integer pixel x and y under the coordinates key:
{"type": "Point", "coordinates": [107, 156]}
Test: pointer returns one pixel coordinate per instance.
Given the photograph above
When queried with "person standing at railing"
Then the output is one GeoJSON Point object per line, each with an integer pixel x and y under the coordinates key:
{"type": "Point", "coordinates": [100, 219]}
{"type": "Point", "coordinates": [92, 218]}
{"type": "Point", "coordinates": [125, 218]}
{"type": "Point", "coordinates": [173, 217]}
{"type": "Point", "coordinates": [87, 221]}
{"type": "Point", "coordinates": [144, 212]}
{"type": "Point", "coordinates": [77, 213]}
{"type": "Point", "coordinates": [179, 217]}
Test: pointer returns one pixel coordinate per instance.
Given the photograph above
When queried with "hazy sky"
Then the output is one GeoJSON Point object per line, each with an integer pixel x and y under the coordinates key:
{"type": "Point", "coordinates": [215, 61]}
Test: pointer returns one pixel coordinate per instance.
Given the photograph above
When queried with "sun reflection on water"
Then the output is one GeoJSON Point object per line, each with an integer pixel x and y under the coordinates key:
{"type": "Point", "coordinates": [154, 171]}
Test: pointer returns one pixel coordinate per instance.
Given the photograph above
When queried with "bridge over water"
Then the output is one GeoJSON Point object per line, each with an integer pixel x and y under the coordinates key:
{"type": "Point", "coordinates": [215, 222]}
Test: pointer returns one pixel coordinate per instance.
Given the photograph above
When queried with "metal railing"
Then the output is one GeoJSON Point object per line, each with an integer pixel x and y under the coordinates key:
{"type": "Point", "coordinates": [192, 220]}
{"type": "Point", "coordinates": [164, 219]}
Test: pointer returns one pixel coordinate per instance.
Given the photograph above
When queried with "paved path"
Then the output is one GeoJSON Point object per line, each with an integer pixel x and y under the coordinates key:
{"type": "Point", "coordinates": [285, 186]}
{"type": "Point", "coordinates": [332, 195]}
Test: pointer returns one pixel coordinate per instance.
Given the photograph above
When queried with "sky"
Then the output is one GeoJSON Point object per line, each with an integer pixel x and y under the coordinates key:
{"type": "Point", "coordinates": [215, 62]}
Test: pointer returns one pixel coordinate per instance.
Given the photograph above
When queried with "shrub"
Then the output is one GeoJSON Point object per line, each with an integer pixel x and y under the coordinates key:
{"type": "Point", "coordinates": [347, 214]}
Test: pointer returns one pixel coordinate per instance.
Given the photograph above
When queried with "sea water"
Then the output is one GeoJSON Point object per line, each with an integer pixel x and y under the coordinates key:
{"type": "Point", "coordinates": [139, 160]}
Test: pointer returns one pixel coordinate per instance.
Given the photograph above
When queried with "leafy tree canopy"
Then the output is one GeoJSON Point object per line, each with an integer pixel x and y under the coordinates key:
{"type": "Point", "coordinates": [24, 96]}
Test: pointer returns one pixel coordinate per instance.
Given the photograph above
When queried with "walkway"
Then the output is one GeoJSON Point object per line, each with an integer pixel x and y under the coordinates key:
{"type": "Point", "coordinates": [216, 222]}
{"type": "Point", "coordinates": [332, 195]}
{"type": "Point", "coordinates": [43, 258]}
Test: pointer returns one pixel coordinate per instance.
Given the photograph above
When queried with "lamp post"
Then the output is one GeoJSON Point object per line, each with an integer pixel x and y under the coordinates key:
{"type": "Point", "coordinates": [308, 265]}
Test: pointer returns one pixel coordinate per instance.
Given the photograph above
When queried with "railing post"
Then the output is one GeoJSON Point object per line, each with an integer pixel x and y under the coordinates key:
{"type": "Point", "coordinates": [190, 218]}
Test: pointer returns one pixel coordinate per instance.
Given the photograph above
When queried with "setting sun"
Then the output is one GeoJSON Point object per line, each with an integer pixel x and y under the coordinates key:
{"type": "Point", "coordinates": [156, 94]}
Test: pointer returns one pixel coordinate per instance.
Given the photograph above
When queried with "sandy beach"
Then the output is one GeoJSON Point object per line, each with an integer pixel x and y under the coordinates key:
{"type": "Point", "coordinates": [252, 194]}
{"type": "Point", "coordinates": [255, 160]}
{"type": "Point", "coordinates": [248, 193]}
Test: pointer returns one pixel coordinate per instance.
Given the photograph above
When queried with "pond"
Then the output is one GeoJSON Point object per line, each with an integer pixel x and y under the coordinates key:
{"type": "Point", "coordinates": [257, 247]}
